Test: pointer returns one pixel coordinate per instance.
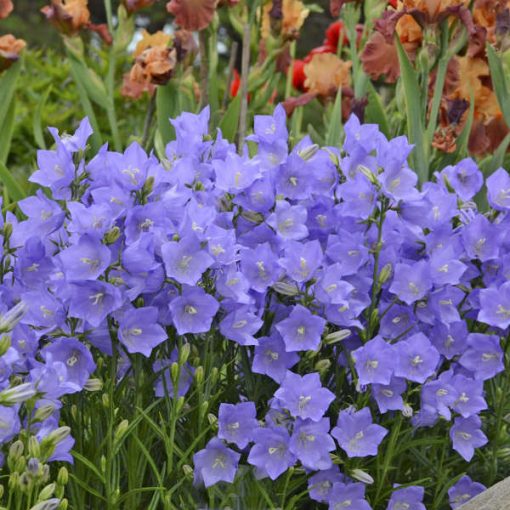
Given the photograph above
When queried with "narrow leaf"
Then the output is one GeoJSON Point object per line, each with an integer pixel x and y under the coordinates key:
{"type": "Point", "coordinates": [230, 120]}
{"type": "Point", "coordinates": [415, 117]}
{"type": "Point", "coordinates": [8, 83]}
{"type": "Point", "coordinates": [14, 189]}
{"type": "Point", "coordinates": [167, 107]}
{"type": "Point", "coordinates": [335, 124]}
{"type": "Point", "coordinates": [37, 126]}
{"type": "Point", "coordinates": [7, 131]}
{"type": "Point", "coordinates": [499, 82]}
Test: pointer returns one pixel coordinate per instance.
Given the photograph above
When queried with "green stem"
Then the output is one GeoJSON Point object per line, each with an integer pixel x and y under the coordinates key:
{"type": "Point", "coordinates": [388, 457]}
{"type": "Point", "coordinates": [110, 87]}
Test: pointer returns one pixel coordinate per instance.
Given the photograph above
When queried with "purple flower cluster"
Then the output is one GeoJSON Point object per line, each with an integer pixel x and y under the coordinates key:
{"type": "Point", "coordinates": [281, 252]}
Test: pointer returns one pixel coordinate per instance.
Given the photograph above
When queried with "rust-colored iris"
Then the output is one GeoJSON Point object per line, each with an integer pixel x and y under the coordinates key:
{"type": "Point", "coordinates": [10, 49]}
{"type": "Point", "coordinates": [154, 64]}
{"type": "Point", "coordinates": [69, 16]}
{"type": "Point", "coordinates": [192, 14]}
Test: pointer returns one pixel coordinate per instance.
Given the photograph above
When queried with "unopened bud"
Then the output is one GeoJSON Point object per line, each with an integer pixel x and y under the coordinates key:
{"type": "Point", "coordinates": [44, 412]}
{"type": "Point", "coordinates": [106, 400]}
{"type": "Point", "coordinates": [112, 235]}
{"type": "Point", "coordinates": [17, 394]}
{"type": "Point", "coordinates": [148, 185]}
{"type": "Point", "coordinates": [49, 504]}
{"type": "Point", "coordinates": [308, 152]}
{"type": "Point", "coordinates": [188, 471]}
{"type": "Point", "coordinates": [34, 448]}
{"type": "Point", "coordinates": [199, 375]}
{"type": "Point", "coordinates": [179, 405]}
{"type": "Point", "coordinates": [212, 419]}
{"type": "Point", "coordinates": [204, 406]}
{"type": "Point", "coordinates": [174, 373]}
{"type": "Point", "coordinates": [385, 274]}
{"type": "Point", "coordinates": [9, 320]}
{"type": "Point", "coordinates": [5, 343]}
{"type": "Point", "coordinates": [58, 435]}
{"type": "Point", "coordinates": [64, 504]}
{"type": "Point", "coordinates": [63, 476]}
{"type": "Point", "coordinates": [337, 336]}
{"type": "Point", "coordinates": [362, 476]}
{"type": "Point", "coordinates": [47, 491]}
{"type": "Point", "coordinates": [184, 353]}
{"type": "Point", "coordinates": [322, 365]}
{"type": "Point", "coordinates": [16, 450]}
{"type": "Point", "coordinates": [367, 173]}
{"type": "Point", "coordinates": [253, 217]}
{"type": "Point", "coordinates": [407, 411]}
{"type": "Point", "coordinates": [120, 431]}
{"type": "Point", "coordinates": [286, 289]}
{"type": "Point", "coordinates": [7, 230]}
{"type": "Point", "coordinates": [94, 384]}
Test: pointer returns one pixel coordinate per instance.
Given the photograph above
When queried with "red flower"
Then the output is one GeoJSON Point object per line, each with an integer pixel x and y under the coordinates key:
{"type": "Point", "coordinates": [393, 3]}
{"type": "Point", "coordinates": [326, 48]}
{"type": "Point", "coordinates": [298, 75]}
{"type": "Point", "coordinates": [333, 34]}
{"type": "Point", "coordinates": [235, 84]}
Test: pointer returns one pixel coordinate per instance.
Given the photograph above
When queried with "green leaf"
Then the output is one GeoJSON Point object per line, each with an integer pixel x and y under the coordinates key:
{"type": "Point", "coordinates": [14, 189]}
{"type": "Point", "coordinates": [499, 82]}
{"type": "Point", "coordinates": [90, 82]}
{"type": "Point", "coordinates": [334, 131]}
{"type": "Point", "coordinates": [7, 131]}
{"type": "Point", "coordinates": [414, 112]}
{"type": "Point", "coordinates": [230, 121]}
{"type": "Point", "coordinates": [167, 107]}
{"type": "Point", "coordinates": [492, 163]}
{"type": "Point", "coordinates": [374, 111]}
{"type": "Point", "coordinates": [86, 462]}
{"type": "Point", "coordinates": [8, 83]}
{"type": "Point", "coordinates": [37, 122]}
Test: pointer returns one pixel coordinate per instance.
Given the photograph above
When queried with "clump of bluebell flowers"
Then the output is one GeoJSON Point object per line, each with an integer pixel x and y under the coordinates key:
{"type": "Point", "coordinates": [372, 309]}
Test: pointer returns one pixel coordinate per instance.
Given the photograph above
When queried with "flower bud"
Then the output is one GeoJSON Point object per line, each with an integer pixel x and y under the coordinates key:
{"type": "Point", "coordinates": [47, 491]}
{"type": "Point", "coordinates": [322, 365]}
{"type": "Point", "coordinates": [102, 463]}
{"type": "Point", "coordinates": [49, 504]}
{"type": "Point", "coordinates": [188, 471]}
{"type": "Point", "coordinates": [407, 411]}
{"type": "Point", "coordinates": [44, 412]}
{"type": "Point", "coordinates": [362, 476]}
{"type": "Point", "coordinates": [112, 235]}
{"type": "Point", "coordinates": [120, 431]}
{"type": "Point", "coordinates": [7, 231]}
{"type": "Point", "coordinates": [179, 405]}
{"type": "Point", "coordinates": [385, 274]}
{"type": "Point", "coordinates": [199, 375]}
{"type": "Point", "coordinates": [308, 152]}
{"type": "Point", "coordinates": [9, 320]}
{"type": "Point", "coordinates": [174, 373]}
{"type": "Point", "coordinates": [17, 394]}
{"type": "Point", "coordinates": [367, 173]}
{"type": "Point", "coordinates": [148, 185]}
{"type": "Point", "coordinates": [16, 450]}
{"type": "Point", "coordinates": [64, 504]}
{"type": "Point", "coordinates": [286, 289]}
{"type": "Point", "coordinates": [94, 384]}
{"type": "Point", "coordinates": [34, 448]}
{"type": "Point", "coordinates": [213, 420]}
{"type": "Point", "coordinates": [106, 400]}
{"type": "Point", "coordinates": [184, 353]}
{"type": "Point", "coordinates": [63, 476]}
{"type": "Point", "coordinates": [337, 336]}
{"type": "Point", "coordinates": [5, 343]}
{"type": "Point", "coordinates": [57, 436]}
{"type": "Point", "coordinates": [252, 216]}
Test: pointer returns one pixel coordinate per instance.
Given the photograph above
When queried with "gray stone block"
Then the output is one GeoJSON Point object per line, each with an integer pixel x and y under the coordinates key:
{"type": "Point", "coordinates": [495, 498]}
